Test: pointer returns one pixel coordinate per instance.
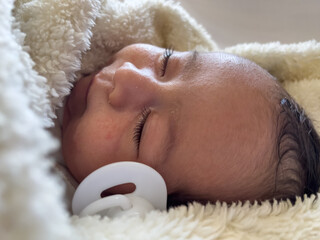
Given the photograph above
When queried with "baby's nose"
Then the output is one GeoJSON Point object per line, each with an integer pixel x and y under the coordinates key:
{"type": "Point", "coordinates": [134, 87]}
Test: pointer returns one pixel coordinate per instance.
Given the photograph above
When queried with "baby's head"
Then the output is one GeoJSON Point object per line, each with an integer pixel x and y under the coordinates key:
{"type": "Point", "coordinates": [214, 125]}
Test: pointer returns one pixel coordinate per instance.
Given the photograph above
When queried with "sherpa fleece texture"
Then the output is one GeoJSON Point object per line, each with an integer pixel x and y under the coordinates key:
{"type": "Point", "coordinates": [45, 44]}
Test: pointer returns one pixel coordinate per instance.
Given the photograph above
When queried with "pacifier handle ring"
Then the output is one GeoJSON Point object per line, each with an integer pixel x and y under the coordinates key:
{"type": "Point", "coordinates": [149, 184]}
{"type": "Point", "coordinates": [117, 200]}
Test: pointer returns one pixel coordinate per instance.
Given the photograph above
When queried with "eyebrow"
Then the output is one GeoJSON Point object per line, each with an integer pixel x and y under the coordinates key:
{"type": "Point", "coordinates": [172, 134]}
{"type": "Point", "coordinates": [191, 60]}
{"type": "Point", "coordinates": [171, 140]}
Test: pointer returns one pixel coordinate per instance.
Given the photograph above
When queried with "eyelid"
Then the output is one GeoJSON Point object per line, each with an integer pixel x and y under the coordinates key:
{"type": "Point", "coordinates": [138, 130]}
{"type": "Point", "coordinates": [165, 59]}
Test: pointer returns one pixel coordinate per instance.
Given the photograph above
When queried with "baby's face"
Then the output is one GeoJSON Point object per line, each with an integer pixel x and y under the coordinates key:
{"type": "Point", "coordinates": [196, 118]}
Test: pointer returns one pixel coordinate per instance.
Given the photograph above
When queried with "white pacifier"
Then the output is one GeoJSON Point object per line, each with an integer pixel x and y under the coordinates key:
{"type": "Point", "coordinates": [150, 192]}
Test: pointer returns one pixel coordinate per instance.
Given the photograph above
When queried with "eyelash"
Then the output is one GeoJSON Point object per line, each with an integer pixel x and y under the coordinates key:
{"type": "Point", "coordinates": [166, 55]}
{"type": "Point", "coordinates": [137, 132]}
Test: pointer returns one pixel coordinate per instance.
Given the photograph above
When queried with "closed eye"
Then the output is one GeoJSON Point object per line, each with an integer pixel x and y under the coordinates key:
{"type": "Point", "coordinates": [137, 132]}
{"type": "Point", "coordinates": [165, 59]}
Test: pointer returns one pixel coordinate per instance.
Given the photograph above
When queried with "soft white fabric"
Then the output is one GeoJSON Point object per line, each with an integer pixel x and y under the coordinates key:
{"type": "Point", "coordinates": [42, 46]}
{"type": "Point", "coordinates": [30, 197]}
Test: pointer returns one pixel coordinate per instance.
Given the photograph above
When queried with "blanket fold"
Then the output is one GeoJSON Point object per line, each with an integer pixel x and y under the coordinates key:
{"type": "Point", "coordinates": [46, 45]}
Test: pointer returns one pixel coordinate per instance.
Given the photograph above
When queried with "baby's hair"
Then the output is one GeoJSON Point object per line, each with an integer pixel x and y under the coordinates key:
{"type": "Point", "coordinates": [296, 154]}
{"type": "Point", "coordinates": [297, 151]}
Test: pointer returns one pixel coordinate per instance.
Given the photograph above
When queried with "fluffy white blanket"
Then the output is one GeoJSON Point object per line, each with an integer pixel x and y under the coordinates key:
{"type": "Point", "coordinates": [44, 44]}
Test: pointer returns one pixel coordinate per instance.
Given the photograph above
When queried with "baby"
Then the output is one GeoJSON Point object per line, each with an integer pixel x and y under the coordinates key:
{"type": "Point", "coordinates": [214, 125]}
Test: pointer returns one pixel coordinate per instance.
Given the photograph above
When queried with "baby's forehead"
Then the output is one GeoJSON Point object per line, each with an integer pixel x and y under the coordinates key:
{"type": "Point", "coordinates": [236, 65]}
{"type": "Point", "coordinates": [231, 77]}
{"type": "Point", "coordinates": [254, 76]}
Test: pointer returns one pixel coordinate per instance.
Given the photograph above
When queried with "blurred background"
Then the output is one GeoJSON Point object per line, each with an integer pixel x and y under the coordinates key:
{"type": "Point", "coordinates": [238, 21]}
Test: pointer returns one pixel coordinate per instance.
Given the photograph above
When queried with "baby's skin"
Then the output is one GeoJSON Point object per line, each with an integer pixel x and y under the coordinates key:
{"type": "Point", "coordinates": [204, 121]}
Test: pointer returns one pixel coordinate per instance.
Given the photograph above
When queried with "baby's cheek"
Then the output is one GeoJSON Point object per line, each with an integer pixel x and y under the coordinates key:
{"type": "Point", "coordinates": [92, 149]}
{"type": "Point", "coordinates": [96, 141]}
{"type": "Point", "coordinates": [102, 142]}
